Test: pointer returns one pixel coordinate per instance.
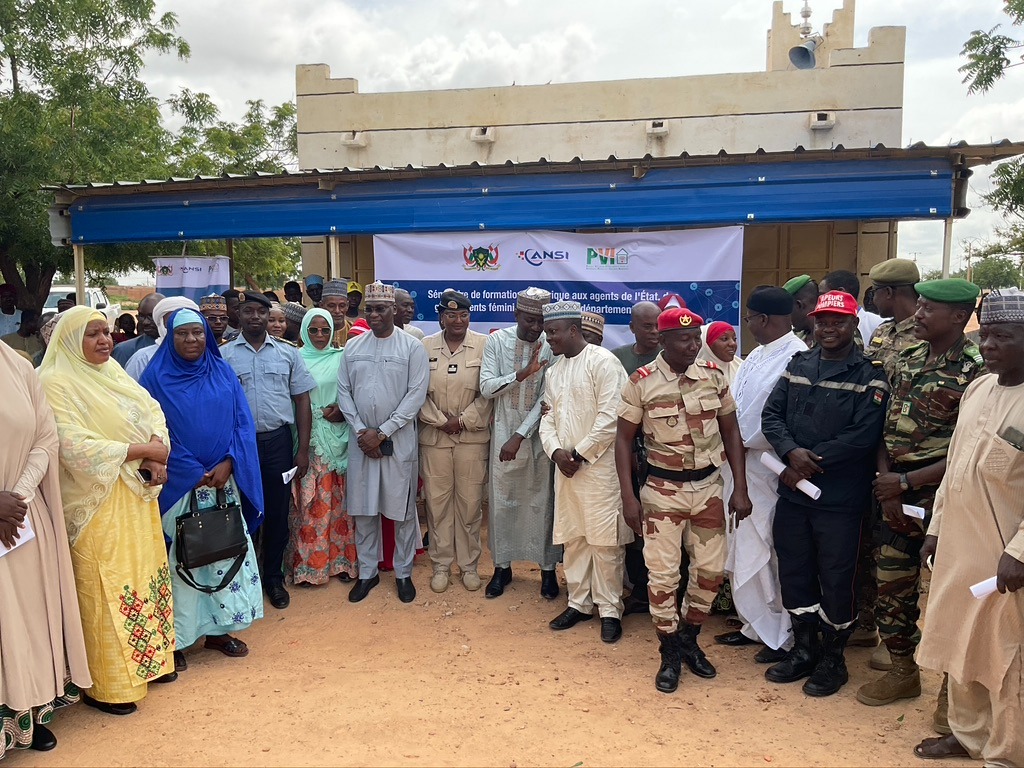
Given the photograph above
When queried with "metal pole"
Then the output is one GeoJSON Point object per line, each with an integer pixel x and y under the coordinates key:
{"type": "Point", "coordinates": [947, 246]}
{"type": "Point", "coordinates": [230, 248]}
{"type": "Point", "coordinates": [79, 251]}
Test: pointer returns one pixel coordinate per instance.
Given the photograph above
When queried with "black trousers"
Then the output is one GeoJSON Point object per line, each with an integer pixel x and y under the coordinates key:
{"type": "Point", "coordinates": [276, 458]}
{"type": "Point", "coordinates": [817, 551]}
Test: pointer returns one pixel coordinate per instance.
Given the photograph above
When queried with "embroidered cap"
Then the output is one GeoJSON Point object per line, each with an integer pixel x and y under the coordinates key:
{"type": "Point", "coordinates": [335, 288]}
{"type": "Point", "coordinates": [563, 310]}
{"type": "Point", "coordinates": [213, 302]}
{"type": "Point", "coordinates": [593, 322]}
{"type": "Point", "coordinates": [532, 300]}
{"type": "Point", "coordinates": [293, 311]}
{"type": "Point", "coordinates": [380, 293]}
{"type": "Point", "coordinates": [1005, 305]}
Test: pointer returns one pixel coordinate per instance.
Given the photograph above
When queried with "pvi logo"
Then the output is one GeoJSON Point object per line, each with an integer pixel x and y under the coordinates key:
{"type": "Point", "coordinates": [535, 258]}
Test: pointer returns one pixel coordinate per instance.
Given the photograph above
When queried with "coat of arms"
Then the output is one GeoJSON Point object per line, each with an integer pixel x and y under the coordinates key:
{"type": "Point", "coordinates": [480, 259]}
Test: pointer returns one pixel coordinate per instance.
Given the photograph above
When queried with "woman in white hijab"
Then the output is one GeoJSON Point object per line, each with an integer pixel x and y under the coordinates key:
{"type": "Point", "coordinates": [718, 346]}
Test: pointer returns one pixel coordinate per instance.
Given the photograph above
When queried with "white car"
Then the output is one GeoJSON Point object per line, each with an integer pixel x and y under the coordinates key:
{"type": "Point", "coordinates": [95, 298]}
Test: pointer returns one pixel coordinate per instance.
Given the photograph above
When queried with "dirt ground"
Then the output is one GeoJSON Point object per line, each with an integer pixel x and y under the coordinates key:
{"type": "Point", "coordinates": [456, 679]}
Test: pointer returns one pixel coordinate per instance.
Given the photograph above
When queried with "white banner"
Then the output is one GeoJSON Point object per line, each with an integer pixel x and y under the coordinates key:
{"type": "Point", "coordinates": [606, 273]}
{"type": "Point", "coordinates": [192, 276]}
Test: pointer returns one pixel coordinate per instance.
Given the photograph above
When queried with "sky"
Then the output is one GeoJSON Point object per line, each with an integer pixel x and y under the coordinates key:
{"type": "Point", "coordinates": [249, 50]}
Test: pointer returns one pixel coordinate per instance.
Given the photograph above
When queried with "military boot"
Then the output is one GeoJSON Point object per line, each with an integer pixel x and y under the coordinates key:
{"type": "Point", "coordinates": [830, 674]}
{"type": "Point", "coordinates": [940, 720]}
{"type": "Point", "coordinates": [880, 659]}
{"type": "Point", "coordinates": [693, 656]}
{"type": "Point", "coordinates": [667, 679]}
{"type": "Point", "coordinates": [903, 681]}
{"type": "Point", "coordinates": [801, 658]}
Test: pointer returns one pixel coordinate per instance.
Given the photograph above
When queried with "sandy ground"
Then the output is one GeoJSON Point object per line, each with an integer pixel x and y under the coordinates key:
{"type": "Point", "coordinates": [456, 679]}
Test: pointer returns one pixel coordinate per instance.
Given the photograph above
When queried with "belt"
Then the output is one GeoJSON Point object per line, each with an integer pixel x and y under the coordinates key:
{"type": "Point", "coordinates": [273, 434]}
{"type": "Point", "coordinates": [685, 476]}
{"type": "Point", "coordinates": [913, 464]}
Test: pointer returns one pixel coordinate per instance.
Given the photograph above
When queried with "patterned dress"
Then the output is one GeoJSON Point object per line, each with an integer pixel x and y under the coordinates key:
{"type": "Point", "coordinates": [322, 543]}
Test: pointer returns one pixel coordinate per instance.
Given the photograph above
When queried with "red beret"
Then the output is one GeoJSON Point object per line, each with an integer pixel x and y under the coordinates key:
{"type": "Point", "coordinates": [678, 319]}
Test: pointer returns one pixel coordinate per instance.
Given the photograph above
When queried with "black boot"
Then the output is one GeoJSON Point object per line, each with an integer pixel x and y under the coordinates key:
{"type": "Point", "coordinates": [496, 586]}
{"type": "Point", "coordinates": [693, 656]}
{"type": "Point", "coordinates": [667, 679]}
{"type": "Point", "coordinates": [830, 675]}
{"type": "Point", "coordinates": [801, 659]}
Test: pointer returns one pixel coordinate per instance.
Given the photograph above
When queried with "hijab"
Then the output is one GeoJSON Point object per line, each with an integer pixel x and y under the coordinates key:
{"type": "Point", "coordinates": [208, 418]}
{"type": "Point", "coordinates": [100, 411]}
{"type": "Point", "coordinates": [730, 368]}
{"type": "Point", "coordinates": [329, 441]}
{"type": "Point", "coordinates": [166, 306]}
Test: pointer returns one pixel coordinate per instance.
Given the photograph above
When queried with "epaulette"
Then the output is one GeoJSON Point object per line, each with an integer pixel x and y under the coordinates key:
{"type": "Point", "coordinates": [876, 363]}
{"type": "Point", "coordinates": [975, 355]}
{"type": "Point", "coordinates": [709, 364]}
{"type": "Point", "coordinates": [640, 373]}
{"type": "Point", "coordinates": [289, 343]}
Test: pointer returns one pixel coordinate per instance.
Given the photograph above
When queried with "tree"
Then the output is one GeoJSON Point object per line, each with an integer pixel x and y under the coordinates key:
{"type": "Point", "coordinates": [988, 272]}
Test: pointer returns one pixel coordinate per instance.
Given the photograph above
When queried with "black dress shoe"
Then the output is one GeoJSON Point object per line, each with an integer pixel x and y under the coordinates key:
{"type": "Point", "coordinates": [362, 588]}
{"type": "Point", "coordinates": [279, 597]}
{"type": "Point", "coordinates": [180, 663]}
{"type": "Point", "coordinates": [734, 639]}
{"type": "Point", "coordinates": [110, 709]}
{"type": "Point", "coordinates": [548, 584]}
{"type": "Point", "coordinates": [406, 590]}
{"type": "Point", "coordinates": [502, 578]}
{"type": "Point", "coordinates": [635, 605]}
{"type": "Point", "coordinates": [43, 739]}
{"type": "Point", "coordinates": [611, 630]}
{"type": "Point", "coordinates": [170, 677]}
{"type": "Point", "coordinates": [568, 618]}
{"type": "Point", "coordinates": [769, 655]}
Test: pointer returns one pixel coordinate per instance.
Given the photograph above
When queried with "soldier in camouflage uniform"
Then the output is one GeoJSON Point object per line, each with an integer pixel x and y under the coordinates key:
{"type": "Point", "coordinates": [896, 299]}
{"type": "Point", "coordinates": [930, 380]}
{"type": "Point", "coordinates": [690, 428]}
{"type": "Point", "coordinates": [805, 296]}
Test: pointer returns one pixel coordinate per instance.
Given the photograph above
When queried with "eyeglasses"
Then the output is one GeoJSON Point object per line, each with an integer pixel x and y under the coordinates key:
{"type": "Point", "coordinates": [319, 331]}
{"type": "Point", "coordinates": [748, 318]}
{"type": "Point", "coordinates": [377, 309]}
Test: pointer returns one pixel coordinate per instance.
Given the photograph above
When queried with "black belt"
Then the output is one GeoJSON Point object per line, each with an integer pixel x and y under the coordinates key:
{"type": "Point", "coordinates": [272, 434]}
{"type": "Point", "coordinates": [909, 466]}
{"type": "Point", "coordinates": [685, 476]}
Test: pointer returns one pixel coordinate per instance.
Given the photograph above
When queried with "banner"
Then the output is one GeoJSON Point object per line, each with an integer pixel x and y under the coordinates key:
{"type": "Point", "coordinates": [606, 273]}
{"type": "Point", "coordinates": [192, 276]}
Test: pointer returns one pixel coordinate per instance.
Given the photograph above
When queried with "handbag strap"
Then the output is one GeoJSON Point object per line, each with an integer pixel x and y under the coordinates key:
{"type": "Point", "coordinates": [186, 576]}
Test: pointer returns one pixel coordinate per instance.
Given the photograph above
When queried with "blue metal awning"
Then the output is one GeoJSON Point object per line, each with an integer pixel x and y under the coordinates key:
{"type": "Point", "coordinates": [573, 197]}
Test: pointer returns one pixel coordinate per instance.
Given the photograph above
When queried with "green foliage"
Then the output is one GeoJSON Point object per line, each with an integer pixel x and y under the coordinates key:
{"type": "Point", "coordinates": [995, 271]}
{"type": "Point", "coordinates": [989, 53]}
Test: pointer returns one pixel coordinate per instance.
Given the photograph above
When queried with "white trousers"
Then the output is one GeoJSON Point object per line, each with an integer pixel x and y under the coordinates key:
{"type": "Point", "coordinates": [594, 576]}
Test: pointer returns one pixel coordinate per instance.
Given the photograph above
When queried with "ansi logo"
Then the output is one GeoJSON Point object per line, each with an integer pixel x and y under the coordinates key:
{"type": "Point", "coordinates": [535, 258]}
{"type": "Point", "coordinates": [607, 258]}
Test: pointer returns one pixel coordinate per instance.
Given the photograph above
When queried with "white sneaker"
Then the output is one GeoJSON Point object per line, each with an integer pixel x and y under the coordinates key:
{"type": "Point", "coordinates": [439, 581]}
{"type": "Point", "coordinates": [471, 581]}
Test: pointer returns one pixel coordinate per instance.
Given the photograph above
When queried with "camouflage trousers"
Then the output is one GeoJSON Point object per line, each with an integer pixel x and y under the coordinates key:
{"type": "Point", "coordinates": [898, 573]}
{"type": "Point", "coordinates": [678, 516]}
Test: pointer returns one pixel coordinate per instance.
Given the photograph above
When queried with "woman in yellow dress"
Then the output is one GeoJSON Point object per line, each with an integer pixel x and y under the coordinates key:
{"type": "Point", "coordinates": [113, 460]}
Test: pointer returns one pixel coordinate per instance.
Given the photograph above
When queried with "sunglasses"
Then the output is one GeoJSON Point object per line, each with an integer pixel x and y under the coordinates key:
{"type": "Point", "coordinates": [319, 331]}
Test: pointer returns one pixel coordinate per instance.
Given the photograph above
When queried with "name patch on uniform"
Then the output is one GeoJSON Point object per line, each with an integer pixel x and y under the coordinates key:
{"type": "Point", "coordinates": [453, 368]}
{"type": "Point", "coordinates": [904, 409]}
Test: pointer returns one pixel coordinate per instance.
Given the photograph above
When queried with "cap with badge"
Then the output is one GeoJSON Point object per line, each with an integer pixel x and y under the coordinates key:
{"type": "Point", "coordinates": [951, 290]}
{"type": "Point", "coordinates": [1004, 305]}
{"type": "Point", "coordinates": [380, 293]}
{"type": "Point", "coordinates": [794, 285]}
{"type": "Point", "coordinates": [593, 322]}
{"type": "Point", "coordinates": [835, 303]}
{"type": "Point", "coordinates": [314, 280]}
{"type": "Point", "coordinates": [532, 300]}
{"type": "Point", "coordinates": [214, 302]}
{"type": "Point", "coordinates": [894, 272]}
{"type": "Point", "coordinates": [354, 287]}
{"type": "Point", "coordinates": [563, 310]}
{"type": "Point", "coordinates": [770, 300]}
{"type": "Point", "coordinates": [679, 319]}
{"type": "Point", "coordinates": [254, 297]}
{"type": "Point", "coordinates": [453, 300]}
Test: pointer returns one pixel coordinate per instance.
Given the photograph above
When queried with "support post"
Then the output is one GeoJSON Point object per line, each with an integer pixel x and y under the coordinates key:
{"type": "Point", "coordinates": [230, 249]}
{"type": "Point", "coordinates": [79, 252]}
{"type": "Point", "coordinates": [947, 246]}
{"type": "Point", "coordinates": [333, 257]}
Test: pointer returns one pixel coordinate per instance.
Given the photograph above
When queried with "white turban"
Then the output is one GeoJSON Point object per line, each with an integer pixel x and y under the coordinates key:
{"type": "Point", "coordinates": [166, 306]}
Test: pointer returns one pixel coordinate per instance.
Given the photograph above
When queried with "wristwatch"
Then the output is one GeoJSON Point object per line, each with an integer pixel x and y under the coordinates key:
{"type": "Point", "coordinates": [904, 483]}
{"type": "Point", "coordinates": [381, 436]}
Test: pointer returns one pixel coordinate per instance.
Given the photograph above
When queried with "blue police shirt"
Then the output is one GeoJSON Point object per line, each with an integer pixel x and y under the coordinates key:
{"type": "Point", "coordinates": [270, 378]}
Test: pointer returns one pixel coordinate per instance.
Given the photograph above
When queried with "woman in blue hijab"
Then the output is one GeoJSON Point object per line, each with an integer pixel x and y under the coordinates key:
{"type": "Point", "coordinates": [213, 447]}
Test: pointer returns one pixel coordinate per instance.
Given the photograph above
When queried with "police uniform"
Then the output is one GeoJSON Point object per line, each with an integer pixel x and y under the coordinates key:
{"type": "Point", "coordinates": [454, 467]}
{"type": "Point", "coordinates": [271, 377]}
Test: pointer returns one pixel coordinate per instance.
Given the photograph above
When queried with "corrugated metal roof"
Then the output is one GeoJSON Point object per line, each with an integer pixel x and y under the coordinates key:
{"type": "Point", "coordinates": [961, 153]}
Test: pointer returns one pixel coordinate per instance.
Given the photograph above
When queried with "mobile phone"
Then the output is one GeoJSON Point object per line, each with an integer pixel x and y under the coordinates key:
{"type": "Point", "coordinates": [145, 476]}
{"type": "Point", "coordinates": [387, 447]}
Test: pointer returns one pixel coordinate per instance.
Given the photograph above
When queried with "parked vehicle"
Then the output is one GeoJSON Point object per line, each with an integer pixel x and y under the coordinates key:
{"type": "Point", "coordinates": [95, 298]}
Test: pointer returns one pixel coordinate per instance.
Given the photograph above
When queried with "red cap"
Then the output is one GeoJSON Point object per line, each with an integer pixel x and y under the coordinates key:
{"type": "Point", "coordinates": [671, 300]}
{"type": "Point", "coordinates": [678, 319]}
{"type": "Point", "coordinates": [836, 303]}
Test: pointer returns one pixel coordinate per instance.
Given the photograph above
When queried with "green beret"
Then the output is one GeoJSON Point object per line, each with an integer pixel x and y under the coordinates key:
{"type": "Point", "coordinates": [895, 272]}
{"type": "Point", "coordinates": [793, 286]}
{"type": "Point", "coordinates": [953, 290]}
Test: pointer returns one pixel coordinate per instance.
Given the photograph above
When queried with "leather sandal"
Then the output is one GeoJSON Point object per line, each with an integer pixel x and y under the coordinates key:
{"type": "Point", "coordinates": [228, 645]}
{"type": "Point", "coordinates": [940, 748]}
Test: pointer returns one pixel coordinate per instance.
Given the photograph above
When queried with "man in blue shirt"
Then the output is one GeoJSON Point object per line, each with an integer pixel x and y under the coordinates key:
{"type": "Point", "coordinates": [277, 386]}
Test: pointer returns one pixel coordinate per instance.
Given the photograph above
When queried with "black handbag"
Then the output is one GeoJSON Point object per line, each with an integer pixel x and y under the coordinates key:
{"type": "Point", "coordinates": [208, 536]}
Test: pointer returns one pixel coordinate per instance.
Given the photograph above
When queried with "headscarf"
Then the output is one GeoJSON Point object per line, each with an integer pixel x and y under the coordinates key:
{"type": "Point", "coordinates": [208, 418]}
{"type": "Point", "coordinates": [164, 307]}
{"type": "Point", "coordinates": [730, 368]}
{"type": "Point", "coordinates": [100, 411]}
{"type": "Point", "coordinates": [329, 441]}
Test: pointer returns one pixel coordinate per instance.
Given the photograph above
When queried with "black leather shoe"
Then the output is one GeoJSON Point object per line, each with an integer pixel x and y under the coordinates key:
{"type": "Point", "coordinates": [635, 605]}
{"type": "Point", "coordinates": [568, 618]}
{"type": "Point", "coordinates": [43, 739]}
{"type": "Point", "coordinates": [180, 663]}
{"type": "Point", "coordinates": [769, 655]}
{"type": "Point", "coordinates": [691, 653]}
{"type": "Point", "coordinates": [734, 639]}
{"type": "Point", "coordinates": [362, 588]}
{"type": "Point", "coordinates": [611, 630]}
{"type": "Point", "coordinates": [548, 584]}
{"type": "Point", "coordinates": [170, 677]}
{"type": "Point", "coordinates": [496, 586]}
{"type": "Point", "coordinates": [406, 590]}
{"type": "Point", "coordinates": [279, 597]}
{"type": "Point", "coordinates": [110, 709]}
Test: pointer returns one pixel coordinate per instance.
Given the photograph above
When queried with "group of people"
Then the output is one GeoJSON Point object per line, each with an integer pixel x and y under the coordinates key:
{"type": "Point", "coordinates": [818, 475]}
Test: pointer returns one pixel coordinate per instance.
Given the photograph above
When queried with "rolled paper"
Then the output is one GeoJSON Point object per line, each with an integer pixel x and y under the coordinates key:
{"type": "Point", "coordinates": [911, 511]}
{"type": "Point", "coordinates": [804, 486]}
{"type": "Point", "coordinates": [984, 588]}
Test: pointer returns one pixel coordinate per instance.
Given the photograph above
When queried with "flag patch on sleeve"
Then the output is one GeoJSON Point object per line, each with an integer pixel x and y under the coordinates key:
{"type": "Point", "coordinates": [877, 397]}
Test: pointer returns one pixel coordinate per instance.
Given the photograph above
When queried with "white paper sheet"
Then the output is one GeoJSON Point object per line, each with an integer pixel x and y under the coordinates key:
{"type": "Point", "coordinates": [911, 511]}
{"type": "Point", "coordinates": [286, 477]}
{"type": "Point", "coordinates": [25, 535]}
{"type": "Point", "coordinates": [804, 486]}
{"type": "Point", "coordinates": [984, 588]}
